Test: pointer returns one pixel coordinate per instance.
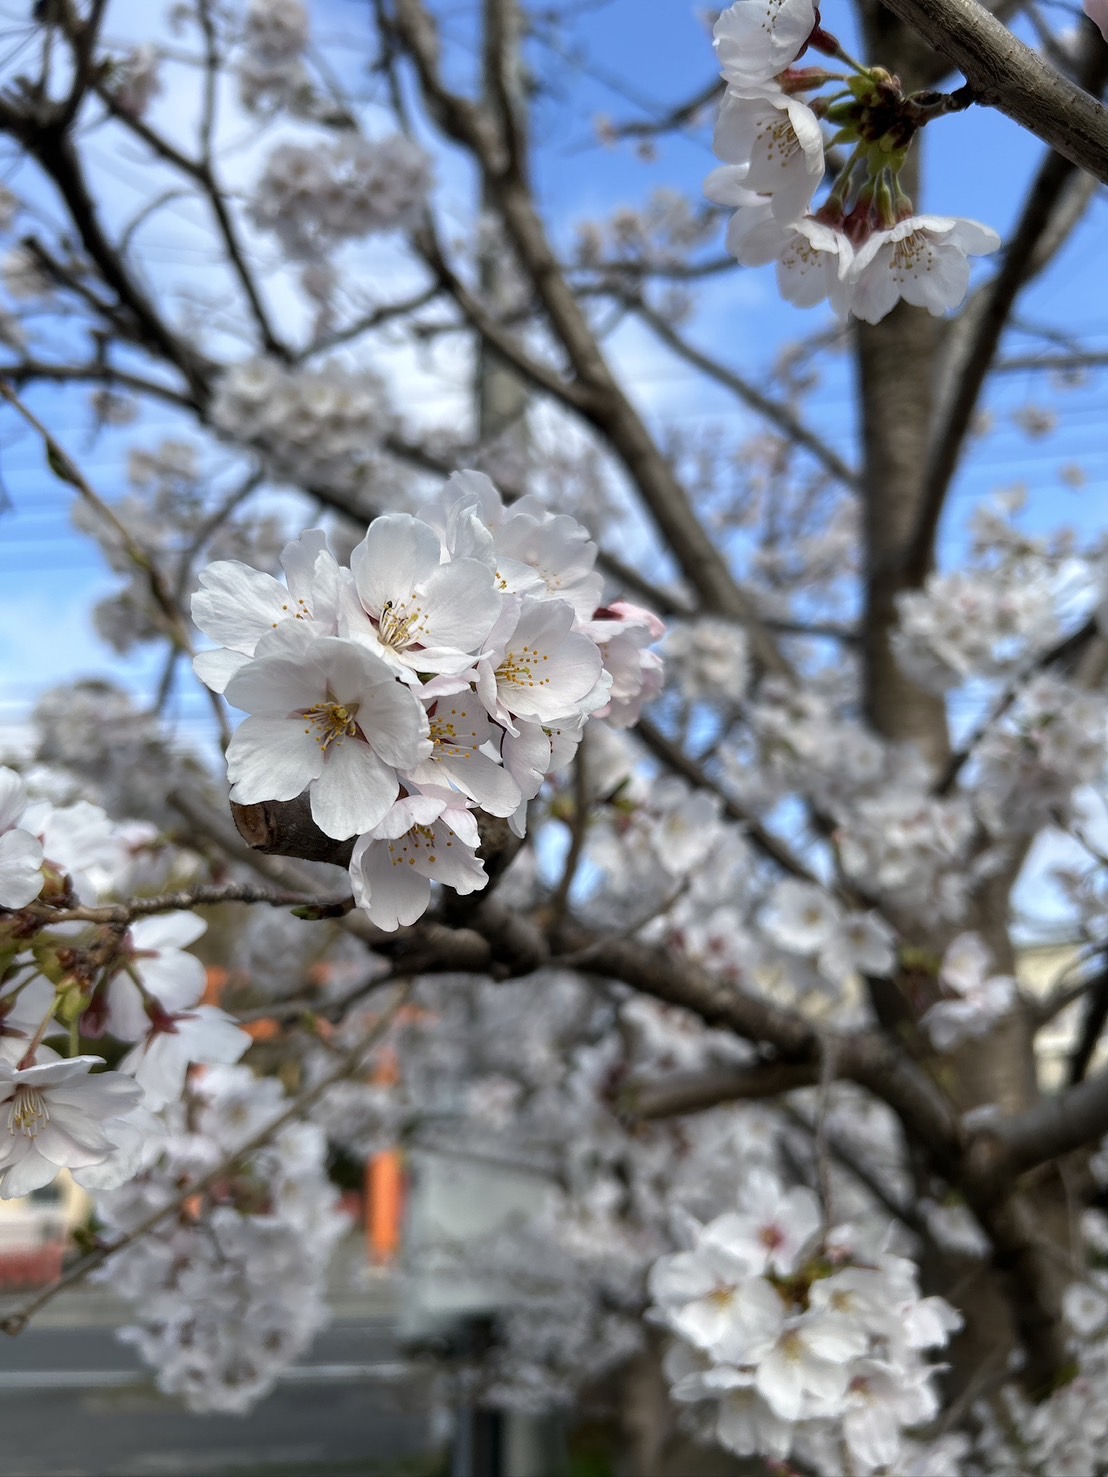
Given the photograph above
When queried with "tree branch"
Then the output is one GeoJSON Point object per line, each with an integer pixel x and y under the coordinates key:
{"type": "Point", "coordinates": [988, 319]}
{"type": "Point", "coordinates": [604, 404]}
{"type": "Point", "coordinates": [696, 1092]}
{"type": "Point", "coordinates": [1006, 74]}
{"type": "Point", "coordinates": [782, 416]}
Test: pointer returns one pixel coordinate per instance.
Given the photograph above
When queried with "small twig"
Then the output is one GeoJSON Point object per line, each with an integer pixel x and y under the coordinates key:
{"type": "Point", "coordinates": [819, 1138]}
{"type": "Point", "coordinates": [169, 902]}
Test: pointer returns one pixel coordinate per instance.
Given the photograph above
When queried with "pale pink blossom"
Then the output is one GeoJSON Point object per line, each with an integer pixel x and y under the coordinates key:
{"type": "Point", "coordinates": [427, 837]}
{"type": "Point", "coordinates": [329, 717]}
{"type": "Point", "coordinates": [757, 39]}
{"type": "Point", "coordinates": [52, 1116]}
{"type": "Point", "coordinates": [175, 1040]}
{"type": "Point", "coordinates": [414, 609]}
{"type": "Point", "coordinates": [236, 605]}
{"type": "Point", "coordinates": [778, 139]}
{"type": "Point", "coordinates": [922, 259]}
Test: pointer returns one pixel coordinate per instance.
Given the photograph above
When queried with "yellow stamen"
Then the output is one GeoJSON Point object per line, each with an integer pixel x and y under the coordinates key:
{"type": "Point", "coordinates": [332, 723]}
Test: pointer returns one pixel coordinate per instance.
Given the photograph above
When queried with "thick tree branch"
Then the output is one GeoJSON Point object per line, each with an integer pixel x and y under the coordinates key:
{"type": "Point", "coordinates": [1006, 74]}
{"type": "Point", "coordinates": [1069, 1120]}
{"type": "Point", "coordinates": [696, 1092]}
{"type": "Point", "coordinates": [987, 319]}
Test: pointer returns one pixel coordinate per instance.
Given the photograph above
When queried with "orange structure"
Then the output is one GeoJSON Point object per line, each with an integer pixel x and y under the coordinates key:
{"type": "Point", "coordinates": [384, 1180]}
{"type": "Point", "coordinates": [384, 1175]}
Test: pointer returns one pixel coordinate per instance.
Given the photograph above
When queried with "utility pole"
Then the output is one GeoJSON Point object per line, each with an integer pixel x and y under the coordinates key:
{"type": "Point", "coordinates": [500, 394]}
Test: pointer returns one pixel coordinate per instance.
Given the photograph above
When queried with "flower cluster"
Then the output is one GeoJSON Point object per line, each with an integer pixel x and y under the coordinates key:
{"type": "Point", "coordinates": [966, 625]}
{"type": "Point", "coordinates": [975, 997]}
{"type": "Point", "coordinates": [911, 848]}
{"type": "Point", "coordinates": [450, 668]}
{"type": "Point", "coordinates": [234, 1290]}
{"type": "Point", "coordinates": [137, 81]}
{"type": "Point", "coordinates": [786, 1328]}
{"type": "Point", "coordinates": [137, 985]}
{"type": "Point", "coordinates": [318, 427]}
{"type": "Point", "coordinates": [864, 249]}
{"type": "Point", "coordinates": [1028, 769]}
{"type": "Point", "coordinates": [805, 919]}
{"type": "Point", "coordinates": [710, 659]}
{"type": "Point", "coordinates": [313, 197]}
{"type": "Point", "coordinates": [275, 38]}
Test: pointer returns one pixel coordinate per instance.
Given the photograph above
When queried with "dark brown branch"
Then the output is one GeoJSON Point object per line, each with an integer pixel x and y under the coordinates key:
{"type": "Point", "coordinates": [1069, 1120]}
{"type": "Point", "coordinates": [26, 371]}
{"type": "Point", "coordinates": [696, 1092]}
{"type": "Point", "coordinates": [206, 896]}
{"type": "Point", "coordinates": [1092, 1024]}
{"type": "Point", "coordinates": [50, 145]}
{"type": "Point", "coordinates": [686, 112]}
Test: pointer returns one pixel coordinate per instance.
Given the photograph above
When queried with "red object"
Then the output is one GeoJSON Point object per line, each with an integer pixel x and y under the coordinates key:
{"type": "Point", "coordinates": [32, 1266]}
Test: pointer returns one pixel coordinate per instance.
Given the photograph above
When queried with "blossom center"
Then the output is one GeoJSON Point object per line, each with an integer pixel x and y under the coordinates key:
{"type": "Point", "coordinates": [332, 722]}
{"type": "Point", "coordinates": [29, 1113]}
{"type": "Point", "coordinates": [778, 140]}
{"type": "Point", "coordinates": [520, 668]}
{"type": "Point", "coordinates": [398, 627]}
{"type": "Point", "coordinates": [444, 733]}
{"type": "Point", "coordinates": [772, 1237]}
{"type": "Point", "coordinates": [909, 256]}
{"type": "Point", "coordinates": [414, 840]}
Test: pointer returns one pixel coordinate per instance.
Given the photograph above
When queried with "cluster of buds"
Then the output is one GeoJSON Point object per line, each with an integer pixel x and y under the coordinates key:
{"type": "Point", "coordinates": [864, 248]}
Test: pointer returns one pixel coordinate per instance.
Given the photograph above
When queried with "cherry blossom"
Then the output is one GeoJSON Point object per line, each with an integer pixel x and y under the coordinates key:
{"type": "Point", "coordinates": [460, 729]}
{"type": "Point", "coordinates": [921, 260]}
{"type": "Point", "coordinates": [425, 837]}
{"type": "Point", "coordinates": [417, 612]}
{"type": "Point", "coordinates": [755, 40]}
{"type": "Point", "coordinates": [327, 716]}
{"type": "Point", "coordinates": [623, 633]}
{"type": "Point", "coordinates": [20, 852]}
{"type": "Point", "coordinates": [778, 140]}
{"type": "Point", "coordinates": [154, 968]}
{"type": "Point", "coordinates": [174, 1040]}
{"type": "Point", "coordinates": [541, 667]}
{"type": "Point", "coordinates": [236, 605]}
{"type": "Point", "coordinates": [54, 1113]}
{"type": "Point", "coordinates": [979, 997]}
